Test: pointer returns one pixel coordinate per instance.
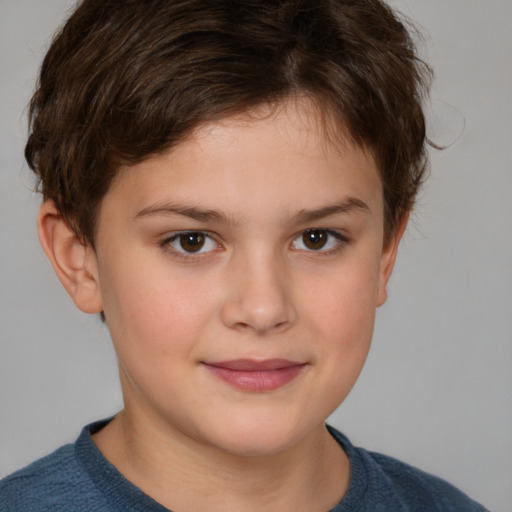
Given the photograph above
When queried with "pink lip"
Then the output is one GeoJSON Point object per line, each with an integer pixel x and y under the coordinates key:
{"type": "Point", "coordinates": [256, 376]}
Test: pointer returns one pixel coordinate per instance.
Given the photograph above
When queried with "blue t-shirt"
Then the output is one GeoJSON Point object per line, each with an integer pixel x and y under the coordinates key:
{"type": "Point", "coordinates": [78, 478]}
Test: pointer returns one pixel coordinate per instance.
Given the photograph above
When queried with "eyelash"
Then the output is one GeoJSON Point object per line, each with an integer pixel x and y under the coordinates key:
{"type": "Point", "coordinates": [188, 256]}
{"type": "Point", "coordinates": [340, 242]}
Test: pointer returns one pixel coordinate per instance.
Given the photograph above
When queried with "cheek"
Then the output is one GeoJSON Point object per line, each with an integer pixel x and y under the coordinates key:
{"type": "Point", "coordinates": [339, 324]}
{"type": "Point", "coordinates": [156, 325]}
{"type": "Point", "coordinates": [342, 314]}
{"type": "Point", "coordinates": [345, 302]}
{"type": "Point", "coordinates": [153, 312]}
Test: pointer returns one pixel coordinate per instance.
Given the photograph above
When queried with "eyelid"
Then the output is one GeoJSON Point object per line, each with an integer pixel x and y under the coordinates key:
{"type": "Point", "coordinates": [341, 240]}
{"type": "Point", "coordinates": [172, 237]}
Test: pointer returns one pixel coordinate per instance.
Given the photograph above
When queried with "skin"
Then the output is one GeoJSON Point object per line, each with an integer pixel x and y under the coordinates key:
{"type": "Point", "coordinates": [255, 291]}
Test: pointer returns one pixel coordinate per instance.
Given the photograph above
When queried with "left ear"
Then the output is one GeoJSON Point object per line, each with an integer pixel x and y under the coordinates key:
{"type": "Point", "coordinates": [387, 260]}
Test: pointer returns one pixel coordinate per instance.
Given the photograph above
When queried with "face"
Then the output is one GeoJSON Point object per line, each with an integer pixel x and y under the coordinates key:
{"type": "Point", "coordinates": [239, 274]}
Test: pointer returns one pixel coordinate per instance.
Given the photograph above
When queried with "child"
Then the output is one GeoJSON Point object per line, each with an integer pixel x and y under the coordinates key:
{"type": "Point", "coordinates": [227, 183]}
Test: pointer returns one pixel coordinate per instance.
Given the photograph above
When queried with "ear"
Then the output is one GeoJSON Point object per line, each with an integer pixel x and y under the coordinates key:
{"type": "Point", "coordinates": [74, 262]}
{"type": "Point", "coordinates": [387, 261]}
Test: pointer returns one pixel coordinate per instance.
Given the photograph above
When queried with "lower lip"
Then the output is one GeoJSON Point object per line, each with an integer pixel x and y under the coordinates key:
{"type": "Point", "coordinates": [257, 381]}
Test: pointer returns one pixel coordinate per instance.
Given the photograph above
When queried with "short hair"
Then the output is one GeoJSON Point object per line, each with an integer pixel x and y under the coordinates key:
{"type": "Point", "coordinates": [127, 79]}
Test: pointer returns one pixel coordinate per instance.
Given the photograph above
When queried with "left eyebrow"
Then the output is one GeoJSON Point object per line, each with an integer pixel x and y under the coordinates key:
{"type": "Point", "coordinates": [347, 206]}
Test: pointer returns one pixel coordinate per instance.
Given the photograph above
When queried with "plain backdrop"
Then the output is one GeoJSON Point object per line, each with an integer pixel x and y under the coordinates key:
{"type": "Point", "coordinates": [437, 388]}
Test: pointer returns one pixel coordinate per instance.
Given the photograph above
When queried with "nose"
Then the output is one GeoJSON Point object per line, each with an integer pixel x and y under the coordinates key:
{"type": "Point", "coordinates": [260, 296]}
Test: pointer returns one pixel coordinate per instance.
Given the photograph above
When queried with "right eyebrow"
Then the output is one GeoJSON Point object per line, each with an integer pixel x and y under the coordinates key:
{"type": "Point", "coordinates": [167, 209]}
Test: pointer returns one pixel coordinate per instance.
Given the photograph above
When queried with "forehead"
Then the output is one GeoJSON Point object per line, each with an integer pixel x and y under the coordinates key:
{"type": "Point", "coordinates": [311, 123]}
{"type": "Point", "coordinates": [275, 157]}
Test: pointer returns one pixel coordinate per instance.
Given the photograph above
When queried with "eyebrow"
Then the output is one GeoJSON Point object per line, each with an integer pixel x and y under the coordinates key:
{"type": "Point", "coordinates": [192, 212]}
{"type": "Point", "coordinates": [347, 206]}
{"type": "Point", "coordinates": [206, 215]}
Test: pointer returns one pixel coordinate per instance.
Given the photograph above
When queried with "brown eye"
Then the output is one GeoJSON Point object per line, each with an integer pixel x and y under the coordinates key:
{"type": "Point", "coordinates": [322, 241]}
{"type": "Point", "coordinates": [315, 239]}
{"type": "Point", "coordinates": [192, 242]}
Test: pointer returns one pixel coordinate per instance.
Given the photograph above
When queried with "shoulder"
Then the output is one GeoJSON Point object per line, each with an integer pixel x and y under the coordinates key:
{"type": "Point", "coordinates": [74, 478]}
{"type": "Point", "coordinates": [58, 482]}
{"type": "Point", "coordinates": [383, 483]}
{"type": "Point", "coordinates": [28, 488]}
{"type": "Point", "coordinates": [420, 489]}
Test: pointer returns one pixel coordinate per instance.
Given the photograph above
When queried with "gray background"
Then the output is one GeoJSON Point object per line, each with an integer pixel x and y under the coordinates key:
{"type": "Point", "coordinates": [437, 388]}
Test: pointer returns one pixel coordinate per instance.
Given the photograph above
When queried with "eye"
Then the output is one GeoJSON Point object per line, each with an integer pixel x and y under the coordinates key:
{"type": "Point", "coordinates": [323, 240]}
{"type": "Point", "coordinates": [191, 242]}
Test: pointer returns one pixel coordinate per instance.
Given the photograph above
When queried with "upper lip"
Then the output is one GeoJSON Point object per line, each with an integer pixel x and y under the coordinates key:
{"type": "Point", "coordinates": [253, 365]}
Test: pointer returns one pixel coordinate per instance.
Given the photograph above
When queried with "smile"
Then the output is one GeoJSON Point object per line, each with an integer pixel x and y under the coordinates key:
{"type": "Point", "coordinates": [256, 376]}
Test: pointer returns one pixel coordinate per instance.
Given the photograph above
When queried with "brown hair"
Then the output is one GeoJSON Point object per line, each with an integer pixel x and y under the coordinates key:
{"type": "Point", "coordinates": [127, 79]}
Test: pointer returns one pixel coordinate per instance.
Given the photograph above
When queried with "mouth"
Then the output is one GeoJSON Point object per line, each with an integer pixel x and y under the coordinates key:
{"type": "Point", "coordinates": [256, 376]}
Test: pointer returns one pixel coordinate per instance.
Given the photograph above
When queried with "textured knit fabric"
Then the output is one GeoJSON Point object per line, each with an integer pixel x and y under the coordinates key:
{"type": "Point", "coordinates": [77, 478]}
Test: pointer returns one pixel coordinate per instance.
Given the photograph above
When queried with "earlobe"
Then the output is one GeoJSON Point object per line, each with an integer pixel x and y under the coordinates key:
{"type": "Point", "coordinates": [74, 262]}
{"type": "Point", "coordinates": [388, 259]}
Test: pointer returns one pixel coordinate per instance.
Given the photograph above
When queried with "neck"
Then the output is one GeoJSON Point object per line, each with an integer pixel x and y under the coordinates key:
{"type": "Point", "coordinates": [184, 474]}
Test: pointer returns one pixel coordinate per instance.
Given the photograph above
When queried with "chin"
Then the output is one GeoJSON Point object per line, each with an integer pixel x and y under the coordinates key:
{"type": "Point", "coordinates": [259, 437]}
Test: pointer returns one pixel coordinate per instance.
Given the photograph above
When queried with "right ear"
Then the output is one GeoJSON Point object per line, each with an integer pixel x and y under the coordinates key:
{"type": "Point", "coordinates": [74, 261]}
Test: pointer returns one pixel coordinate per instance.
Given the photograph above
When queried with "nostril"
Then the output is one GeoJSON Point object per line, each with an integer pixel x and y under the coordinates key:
{"type": "Point", "coordinates": [261, 327]}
